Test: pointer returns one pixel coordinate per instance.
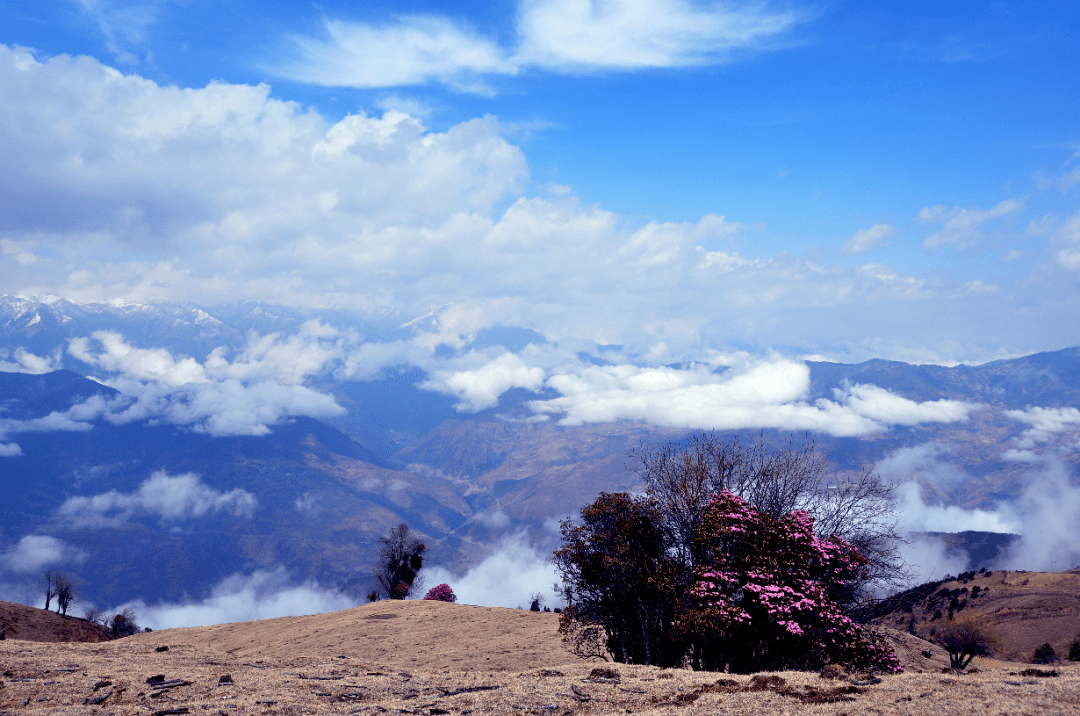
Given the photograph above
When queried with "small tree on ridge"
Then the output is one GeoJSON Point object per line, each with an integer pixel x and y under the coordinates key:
{"type": "Point", "coordinates": [401, 557]}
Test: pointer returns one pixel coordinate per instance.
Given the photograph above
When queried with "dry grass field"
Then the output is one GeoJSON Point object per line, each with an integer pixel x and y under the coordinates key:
{"type": "Point", "coordinates": [434, 658]}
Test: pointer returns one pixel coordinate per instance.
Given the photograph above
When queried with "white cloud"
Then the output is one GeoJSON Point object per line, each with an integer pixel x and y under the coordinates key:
{"type": "Point", "coordinates": [920, 462]}
{"type": "Point", "coordinates": [27, 362]}
{"type": "Point", "coordinates": [1046, 514]}
{"type": "Point", "coordinates": [629, 34]}
{"type": "Point", "coordinates": [888, 408]}
{"type": "Point", "coordinates": [962, 226]}
{"type": "Point", "coordinates": [480, 389]}
{"type": "Point", "coordinates": [867, 239]}
{"type": "Point", "coordinates": [758, 394]}
{"type": "Point", "coordinates": [557, 35]}
{"type": "Point", "coordinates": [506, 578]}
{"type": "Point", "coordinates": [496, 520]}
{"type": "Point", "coordinates": [1049, 511]}
{"type": "Point", "coordinates": [33, 553]}
{"type": "Point", "coordinates": [917, 516]}
{"type": "Point", "coordinates": [155, 364]}
{"type": "Point", "coordinates": [1045, 423]}
{"type": "Point", "coordinates": [169, 498]}
{"type": "Point", "coordinates": [1069, 180]}
{"type": "Point", "coordinates": [928, 558]}
{"type": "Point", "coordinates": [223, 193]}
{"type": "Point", "coordinates": [413, 50]}
{"type": "Point", "coordinates": [261, 595]}
{"type": "Point", "coordinates": [73, 420]}
{"type": "Point", "coordinates": [1069, 234]}
{"type": "Point", "coordinates": [243, 397]}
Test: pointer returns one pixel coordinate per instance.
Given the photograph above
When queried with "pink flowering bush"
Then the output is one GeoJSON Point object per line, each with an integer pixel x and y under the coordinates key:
{"type": "Point", "coordinates": [441, 593]}
{"type": "Point", "coordinates": [766, 596]}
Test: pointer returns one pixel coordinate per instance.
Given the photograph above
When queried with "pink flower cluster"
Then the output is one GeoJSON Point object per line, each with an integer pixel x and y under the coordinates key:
{"type": "Point", "coordinates": [441, 593]}
{"type": "Point", "coordinates": [770, 583]}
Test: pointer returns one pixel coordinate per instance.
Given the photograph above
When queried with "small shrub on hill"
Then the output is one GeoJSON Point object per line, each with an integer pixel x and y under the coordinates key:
{"type": "Point", "coordinates": [1074, 650]}
{"type": "Point", "coordinates": [401, 557]}
{"type": "Point", "coordinates": [964, 639]}
{"type": "Point", "coordinates": [441, 593]}
{"type": "Point", "coordinates": [124, 624]}
{"type": "Point", "coordinates": [1045, 654]}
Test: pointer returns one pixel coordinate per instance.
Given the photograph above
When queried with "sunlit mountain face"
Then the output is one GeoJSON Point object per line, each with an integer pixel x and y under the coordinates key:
{"type": "Point", "coordinates": [276, 278]}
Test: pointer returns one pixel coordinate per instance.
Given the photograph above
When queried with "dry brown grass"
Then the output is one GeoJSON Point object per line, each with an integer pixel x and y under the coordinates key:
{"type": "Point", "coordinates": [430, 658]}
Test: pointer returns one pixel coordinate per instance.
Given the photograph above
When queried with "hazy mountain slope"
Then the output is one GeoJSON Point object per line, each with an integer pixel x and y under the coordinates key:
{"type": "Point", "coordinates": [1046, 379]}
{"type": "Point", "coordinates": [318, 500]}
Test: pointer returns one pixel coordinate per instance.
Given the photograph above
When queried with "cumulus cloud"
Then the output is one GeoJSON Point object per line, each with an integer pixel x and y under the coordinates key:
{"type": "Point", "coordinates": [960, 226]}
{"type": "Point", "coordinates": [506, 578]}
{"type": "Point", "coordinates": [167, 497]}
{"type": "Point", "coordinates": [26, 362]}
{"type": "Point", "coordinates": [556, 35]}
{"type": "Point", "coordinates": [242, 397]}
{"type": "Point", "coordinates": [222, 193]}
{"type": "Point", "coordinates": [262, 594]}
{"type": "Point", "coordinates": [867, 239]}
{"type": "Point", "coordinates": [767, 393]}
{"type": "Point", "coordinates": [33, 553]}
{"type": "Point", "coordinates": [480, 389]}
{"type": "Point", "coordinates": [1045, 424]}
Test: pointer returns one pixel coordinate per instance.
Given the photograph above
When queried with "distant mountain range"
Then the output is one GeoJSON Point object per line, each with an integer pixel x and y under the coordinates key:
{"type": "Point", "coordinates": [315, 495]}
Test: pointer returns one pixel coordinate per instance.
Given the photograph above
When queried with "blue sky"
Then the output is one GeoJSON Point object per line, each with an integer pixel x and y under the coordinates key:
{"type": "Point", "coordinates": [895, 180]}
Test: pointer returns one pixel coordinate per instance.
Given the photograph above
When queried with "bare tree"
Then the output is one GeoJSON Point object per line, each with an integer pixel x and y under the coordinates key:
{"type": "Point", "coordinates": [95, 615]}
{"type": "Point", "coordinates": [50, 587]}
{"type": "Point", "coordinates": [67, 593]}
{"type": "Point", "coordinates": [401, 556]}
{"type": "Point", "coordinates": [124, 624]}
{"type": "Point", "coordinates": [964, 639]}
{"type": "Point", "coordinates": [796, 476]}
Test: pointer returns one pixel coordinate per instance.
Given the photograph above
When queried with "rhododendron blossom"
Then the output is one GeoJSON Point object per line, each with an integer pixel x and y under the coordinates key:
{"type": "Point", "coordinates": [769, 595]}
{"type": "Point", "coordinates": [441, 593]}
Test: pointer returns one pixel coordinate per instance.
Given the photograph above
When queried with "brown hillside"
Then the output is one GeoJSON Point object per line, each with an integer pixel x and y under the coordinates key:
{"type": "Point", "coordinates": [1027, 609]}
{"type": "Point", "coordinates": [431, 658]}
{"type": "Point", "coordinates": [18, 621]}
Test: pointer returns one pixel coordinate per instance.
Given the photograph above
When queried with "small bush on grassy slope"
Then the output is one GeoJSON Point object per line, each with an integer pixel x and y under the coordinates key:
{"type": "Point", "coordinates": [1045, 654]}
{"type": "Point", "coordinates": [964, 639]}
{"type": "Point", "coordinates": [1074, 650]}
{"type": "Point", "coordinates": [441, 593]}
